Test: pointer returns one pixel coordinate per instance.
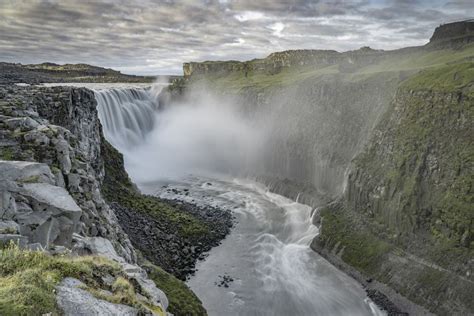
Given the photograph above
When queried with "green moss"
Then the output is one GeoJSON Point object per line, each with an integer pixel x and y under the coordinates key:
{"type": "Point", "coordinates": [360, 248]}
{"type": "Point", "coordinates": [7, 153]}
{"type": "Point", "coordinates": [239, 80]}
{"type": "Point", "coordinates": [182, 301]}
{"type": "Point", "coordinates": [32, 179]}
{"type": "Point", "coordinates": [123, 292]}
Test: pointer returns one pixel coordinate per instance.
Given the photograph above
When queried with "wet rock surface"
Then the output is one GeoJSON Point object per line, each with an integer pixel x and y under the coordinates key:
{"type": "Point", "coordinates": [384, 302]}
{"type": "Point", "coordinates": [163, 244]}
{"type": "Point", "coordinates": [224, 281]}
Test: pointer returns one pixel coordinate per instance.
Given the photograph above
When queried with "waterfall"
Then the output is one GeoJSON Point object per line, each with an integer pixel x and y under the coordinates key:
{"type": "Point", "coordinates": [127, 115]}
{"type": "Point", "coordinates": [301, 137]}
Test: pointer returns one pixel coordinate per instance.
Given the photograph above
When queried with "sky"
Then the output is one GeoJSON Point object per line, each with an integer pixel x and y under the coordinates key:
{"type": "Point", "coordinates": [155, 37]}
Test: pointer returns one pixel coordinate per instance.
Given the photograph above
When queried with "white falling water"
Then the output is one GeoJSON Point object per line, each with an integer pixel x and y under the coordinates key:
{"type": "Point", "coordinates": [127, 115]}
{"type": "Point", "coordinates": [267, 253]}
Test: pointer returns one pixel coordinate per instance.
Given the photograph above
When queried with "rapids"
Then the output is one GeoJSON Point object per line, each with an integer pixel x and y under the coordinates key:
{"type": "Point", "coordinates": [267, 254]}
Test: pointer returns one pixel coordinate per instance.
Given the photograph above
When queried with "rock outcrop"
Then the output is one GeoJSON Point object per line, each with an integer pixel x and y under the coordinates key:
{"type": "Point", "coordinates": [44, 213]}
{"type": "Point", "coordinates": [59, 127]}
{"type": "Point", "coordinates": [51, 173]}
{"type": "Point", "coordinates": [453, 34]}
{"type": "Point", "coordinates": [406, 217]}
{"type": "Point", "coordinates": [279, 61]}
{"type": "Point", "coordinates": [72, 299]}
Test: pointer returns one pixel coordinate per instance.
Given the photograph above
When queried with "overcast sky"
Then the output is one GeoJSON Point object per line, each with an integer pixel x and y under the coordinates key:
{"type": "Point", "coordinates": [156, 37]}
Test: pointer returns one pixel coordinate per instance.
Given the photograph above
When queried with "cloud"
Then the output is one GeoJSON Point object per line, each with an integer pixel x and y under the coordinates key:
{"type": "Point", "coordinates": [157, 36]}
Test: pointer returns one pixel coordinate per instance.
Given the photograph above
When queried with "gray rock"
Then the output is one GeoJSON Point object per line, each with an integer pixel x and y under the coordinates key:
{"type": "Point", "coordinates": [26, 123]}
{"type": "Point", "coordinates": [59, 178]}
{"type": "Point", "coordinates": [36, 137]}
{"type": "Point", "coordinates": [74, 180]}
{"type": "Point", "coordinates": [96, 246]}
{"type": "Point", "coordinates": [25, 171]}
{"type": "Point", "coordinates": [8, 206]}
{"type": "Point", "coordinates": [51, 195]}
{"type": "Point", "coordinates": [55, 217]}
{"type": "Point", "coordinates": [156, 295]}
{"type": "Point", "coordinates": [62, 149]}
{"type": "Point", "coordinates": [73, 300]}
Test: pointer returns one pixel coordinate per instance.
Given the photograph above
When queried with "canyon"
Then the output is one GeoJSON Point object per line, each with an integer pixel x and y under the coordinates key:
{"type": "Point", "coordinates": [360, 161]}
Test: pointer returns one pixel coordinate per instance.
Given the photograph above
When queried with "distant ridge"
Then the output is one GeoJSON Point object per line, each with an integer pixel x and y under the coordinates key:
{"type": "Point", "coordinates": [55, 73]}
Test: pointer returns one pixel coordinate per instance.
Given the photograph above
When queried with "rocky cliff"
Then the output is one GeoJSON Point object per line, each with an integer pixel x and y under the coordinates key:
{"type": "Point", "coordinates": [59, 127]}
{"type": "Point", "coordinates": [389, 137]}
{"type": "Point", "coordinates": [57, 233]}
{"type": "Point", "coordinates": [406, 217]}
{"type": "Point", "coordinates": [279, 61]}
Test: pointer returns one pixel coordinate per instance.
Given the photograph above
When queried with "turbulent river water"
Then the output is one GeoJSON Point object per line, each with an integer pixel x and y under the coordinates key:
{"type": "Point", "coordinates": [267, 255]}
{"type": "Point", "coordinates": [266, 263]}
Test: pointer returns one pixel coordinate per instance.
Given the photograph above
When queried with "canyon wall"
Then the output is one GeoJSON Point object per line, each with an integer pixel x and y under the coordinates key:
{"type": "Point", "coordinates": [389, 139]}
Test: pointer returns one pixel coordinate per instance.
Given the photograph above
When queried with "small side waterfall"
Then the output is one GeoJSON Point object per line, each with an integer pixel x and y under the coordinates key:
{"type": "Point", "coordinates": [127, 115]}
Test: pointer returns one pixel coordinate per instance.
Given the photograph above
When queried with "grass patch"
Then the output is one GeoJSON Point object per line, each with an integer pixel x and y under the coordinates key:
{"type": "Point", "coordinates": [238, 80]}
{"type": "Point", "coordinates": [444, 79]}
{"type": "Point", "coordinates": [123, 292]}
{"type": "Point", "coordinates": [28, 278]}
{"type": "Point", "coordinates": [182, 301]}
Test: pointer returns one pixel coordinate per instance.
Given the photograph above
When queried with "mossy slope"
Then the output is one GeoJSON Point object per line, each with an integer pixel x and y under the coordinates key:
{"type": "Point", "coordinates": [407, 215]}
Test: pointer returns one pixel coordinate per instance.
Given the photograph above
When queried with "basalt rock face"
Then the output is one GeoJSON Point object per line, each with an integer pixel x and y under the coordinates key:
{"type": "Point", "coordinates": [453, 34]}
{"type": "Point", "coordinates": [279, 61]}
{"type": "Point", "coordinates": [318, 125]}
{"type": "Point", "coordinates": [34, 211]}
{"type": "Point", "coordinates": [406, 217]}
{"type": "Point", "coordinates": [58, 127]}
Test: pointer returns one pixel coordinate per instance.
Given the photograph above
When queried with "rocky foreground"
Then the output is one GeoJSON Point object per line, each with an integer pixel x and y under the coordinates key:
{"type": "Point", "coordinates": [59, 206]}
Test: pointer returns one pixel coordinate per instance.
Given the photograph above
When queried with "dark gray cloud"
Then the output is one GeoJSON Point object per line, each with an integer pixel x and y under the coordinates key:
{"type": "Point", "coordinates": [156, 37]}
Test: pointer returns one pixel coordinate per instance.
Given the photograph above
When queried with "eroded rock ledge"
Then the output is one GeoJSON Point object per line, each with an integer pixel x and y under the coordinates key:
{"type": "Point", "coordinates": [52, 207]}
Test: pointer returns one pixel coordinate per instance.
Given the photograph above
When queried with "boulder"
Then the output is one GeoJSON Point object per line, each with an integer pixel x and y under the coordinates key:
{"type": "Point", "coordinates": [22, 171]}
{"type": "Point", "coordinates": [8, 206]}
{"type": "Point", "coordinates": [73, 300]}
{"type": "Point", "coordinates": [96, 246]}
{"type": "Point", "coordinates": [55, 215]}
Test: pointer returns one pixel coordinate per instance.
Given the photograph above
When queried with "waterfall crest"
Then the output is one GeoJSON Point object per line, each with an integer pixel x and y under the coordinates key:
{"type": "Point", "coordinates": [127, 115]}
